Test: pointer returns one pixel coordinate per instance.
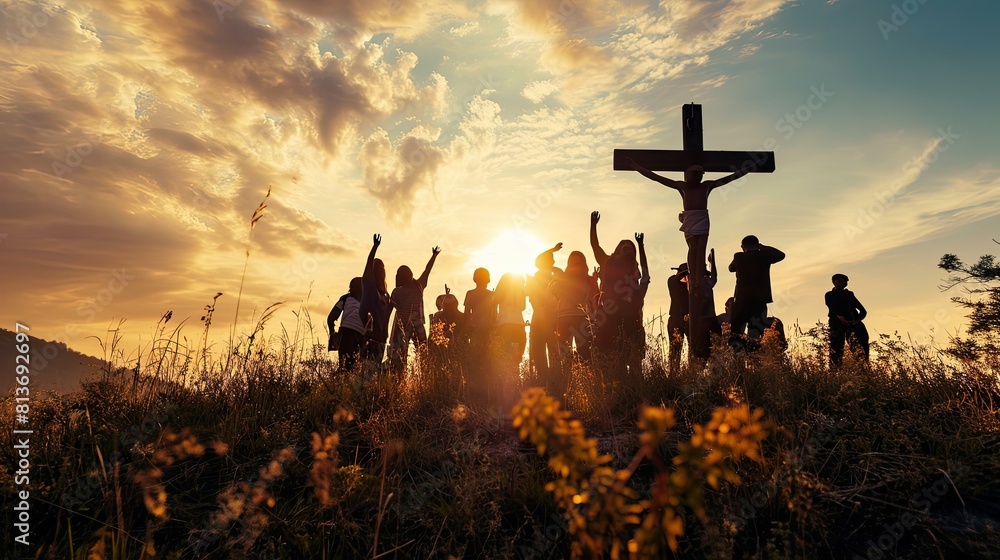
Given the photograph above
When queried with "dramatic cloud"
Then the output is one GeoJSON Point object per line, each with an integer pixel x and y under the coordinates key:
{"type": "Point", "coordinates": [661, 44]}
{"type": "Point", "coordinates": [132, 145]}
{"type": "Point", "coordinates": [357, 20]}
{"type": "Point", "coordinates": [393, 174]}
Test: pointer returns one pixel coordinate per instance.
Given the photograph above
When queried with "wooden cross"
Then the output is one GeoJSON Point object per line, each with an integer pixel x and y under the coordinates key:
{"type": "Point", "coordinates": [694, 153]}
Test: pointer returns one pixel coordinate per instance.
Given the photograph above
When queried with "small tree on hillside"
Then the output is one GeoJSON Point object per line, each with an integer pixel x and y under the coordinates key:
{"type": "Point", "coordinates": [981, 283]}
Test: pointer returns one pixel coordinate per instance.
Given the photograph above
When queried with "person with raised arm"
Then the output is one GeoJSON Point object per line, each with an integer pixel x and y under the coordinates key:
{"type": "Point", "coordinates": [633, 331]}
{"type": "Point", "coordinates": [753, 286]}
{"type": "Point", "coordinates": [543, 344]}
{"type": "Point", "coordinates": [577, 295]}
{"type": "Point", "coordinates": [408, 299]}
{"type": "Point", "coordinates": [618, 321]}
{"type": "Point", "coordinates": [702, 347]}
{"type": "Point", "coordinates": [619, 278]}
{"type": "Point", "coordinates": [375, 307]}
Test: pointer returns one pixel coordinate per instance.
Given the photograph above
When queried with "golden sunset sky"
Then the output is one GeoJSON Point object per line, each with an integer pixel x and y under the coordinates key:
{"type": "Point", "coordinates": [137, 138]}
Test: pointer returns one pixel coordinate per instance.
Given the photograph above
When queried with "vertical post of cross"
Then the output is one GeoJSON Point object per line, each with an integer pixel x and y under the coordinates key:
{"type": "Point", "coordinates": [698, 331]}
{"type": "Point", "coordinates": [694, 138]}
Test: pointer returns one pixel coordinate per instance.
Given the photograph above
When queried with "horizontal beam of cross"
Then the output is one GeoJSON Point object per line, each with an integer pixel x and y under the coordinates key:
{"type": "Point", "coordinates": [680, 160]}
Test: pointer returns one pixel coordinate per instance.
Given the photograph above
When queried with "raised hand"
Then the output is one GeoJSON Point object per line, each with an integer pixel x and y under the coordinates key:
{"type": "Point", "coordinates": [639, 238]}
{"type": "Point", "coordinates": [376, 240]}
{"type": "Point", "coordinates": [447, 290]}
{"type": "Point", "coordinates": [436, 250]}
{"type": "Point", "coordinates": [558, 246]}
{"type": "Point", "coordinates": [595, 217]}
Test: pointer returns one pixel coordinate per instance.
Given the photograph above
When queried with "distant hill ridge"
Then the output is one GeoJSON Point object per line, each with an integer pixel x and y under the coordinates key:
{"type": "Point", "coordinates": [54, 366]}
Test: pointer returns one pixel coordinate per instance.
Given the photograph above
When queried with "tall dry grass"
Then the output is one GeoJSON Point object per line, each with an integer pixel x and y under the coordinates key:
{"type": "Point", "coordinates": [278, 455]}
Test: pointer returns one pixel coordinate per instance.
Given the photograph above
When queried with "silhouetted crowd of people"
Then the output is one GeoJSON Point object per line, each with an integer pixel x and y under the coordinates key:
{"type": "Point", "coordinates": [591, 316]}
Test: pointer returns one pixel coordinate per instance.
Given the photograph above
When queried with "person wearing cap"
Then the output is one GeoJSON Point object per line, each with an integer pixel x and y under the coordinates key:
{"type": "Point", "coordinates": [677, 316]}
{"type": "Point", "coordinates": [753, 285]}
{"type": "Point", "coordinates": [846, 316]}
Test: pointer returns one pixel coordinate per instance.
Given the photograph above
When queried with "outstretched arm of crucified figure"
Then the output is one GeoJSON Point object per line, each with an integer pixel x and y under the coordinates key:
{"type": "Point", "coordinates": [658, 178]}
{"type": "Point", "coordinates": [730, 178]}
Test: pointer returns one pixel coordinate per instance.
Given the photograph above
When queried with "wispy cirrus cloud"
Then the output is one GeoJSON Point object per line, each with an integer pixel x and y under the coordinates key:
{"type": "Point", "coordinates": [905, 201]}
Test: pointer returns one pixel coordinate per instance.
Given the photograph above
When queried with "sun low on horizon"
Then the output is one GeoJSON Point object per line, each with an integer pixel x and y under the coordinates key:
{"type": "Point", "coordinates": [512, 251]}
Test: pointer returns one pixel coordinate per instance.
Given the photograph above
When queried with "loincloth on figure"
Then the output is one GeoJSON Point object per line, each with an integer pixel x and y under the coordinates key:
{"type": "Point", "coordinates": [694, 222]}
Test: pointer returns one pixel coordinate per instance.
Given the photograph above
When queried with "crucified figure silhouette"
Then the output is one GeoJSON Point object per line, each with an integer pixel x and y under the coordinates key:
{"type": "Point", "coordinates": [694, 195]}
{"type": "Point", "coordinates": [695, 224]}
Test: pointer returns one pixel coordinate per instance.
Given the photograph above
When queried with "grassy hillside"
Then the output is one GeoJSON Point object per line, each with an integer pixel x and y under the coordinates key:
{"type": "Point", "coordinates": [270, 453]}
{"type": "Point", "coordinates": [56, 367]}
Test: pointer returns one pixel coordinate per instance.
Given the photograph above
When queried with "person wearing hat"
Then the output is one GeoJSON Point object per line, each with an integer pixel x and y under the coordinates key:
{"type": "Point", "coordinates": [677, 317]}
{"type": "Point", "coordinates": [846, 316]}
